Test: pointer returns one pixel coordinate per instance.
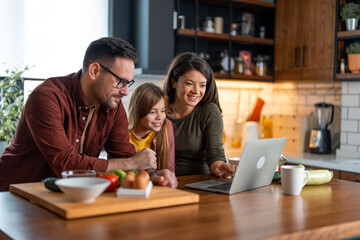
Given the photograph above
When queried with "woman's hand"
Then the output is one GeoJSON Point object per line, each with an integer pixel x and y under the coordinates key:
{"type": "Point", "coordinates": [222, 169]}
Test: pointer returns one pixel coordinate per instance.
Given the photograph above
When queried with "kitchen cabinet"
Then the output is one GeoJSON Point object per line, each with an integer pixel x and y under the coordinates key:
{"type": "Point", "coordinates": [190, 35]}
{"type": "Point", "coordinates": [304, 40]}
{"type": "Point", "coordinates": [148, 26]}
{"type": "Point", "coordinates": [342, 39]}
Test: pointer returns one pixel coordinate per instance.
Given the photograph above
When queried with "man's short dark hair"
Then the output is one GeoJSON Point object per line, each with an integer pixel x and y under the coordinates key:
{"type": "Point", "coordinates": [105, 50]}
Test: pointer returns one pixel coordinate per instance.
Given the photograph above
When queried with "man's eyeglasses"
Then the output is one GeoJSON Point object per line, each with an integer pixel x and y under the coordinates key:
{"type": "Point", "coordinates": [122, 82]}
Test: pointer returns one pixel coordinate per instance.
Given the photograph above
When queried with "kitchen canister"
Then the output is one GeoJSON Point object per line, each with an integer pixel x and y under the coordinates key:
{"type": "Point", "coordinates": [250, 132]}
{"type": "Point", "coordinates": [219, 24]}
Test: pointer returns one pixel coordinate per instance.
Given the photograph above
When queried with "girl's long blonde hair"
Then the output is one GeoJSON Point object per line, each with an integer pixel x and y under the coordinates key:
{"type": "Point", "coordinates": [141, 102]}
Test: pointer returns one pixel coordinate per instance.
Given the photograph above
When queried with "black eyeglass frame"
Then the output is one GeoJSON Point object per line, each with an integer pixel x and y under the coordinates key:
{"type": "Point", "coordinates": [122, 81]}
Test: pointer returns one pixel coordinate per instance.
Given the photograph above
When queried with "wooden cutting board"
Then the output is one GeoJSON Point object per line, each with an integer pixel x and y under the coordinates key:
{"type": "Point", "coordinates": [106, 203]}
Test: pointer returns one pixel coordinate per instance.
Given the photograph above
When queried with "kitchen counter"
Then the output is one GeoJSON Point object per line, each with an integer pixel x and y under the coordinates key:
{"type": "Point", "coordinates": [329, 211]}
{"type": "Point", "coordinates": [327, 161]}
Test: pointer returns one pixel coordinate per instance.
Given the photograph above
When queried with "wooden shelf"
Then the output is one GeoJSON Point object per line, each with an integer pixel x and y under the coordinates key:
{"type": "Point", "coordinates": [243, 77]}
{"type": "Point", "coordinates": [248, 40]}
{"type": "Point", "coordinates": [213, 36]}
{"type": "Point", "coordinates": [186, 32]}
{"type": "Point", "coordinates": [256, 2]}
{"type": "Point", "coordinates": [348, 34]}
{"type": "Point", "coordinates": [347, 76]}
{"type": "Point", "coordinates": [253, 40]}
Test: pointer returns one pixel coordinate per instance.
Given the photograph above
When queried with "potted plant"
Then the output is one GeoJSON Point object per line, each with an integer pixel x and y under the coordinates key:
{"type": "Point", "coordinates": [11, 105]}
{"type": "Point", "coordinates": [353, 52]}
{"type": "Point", "coordinates": [350, 13]}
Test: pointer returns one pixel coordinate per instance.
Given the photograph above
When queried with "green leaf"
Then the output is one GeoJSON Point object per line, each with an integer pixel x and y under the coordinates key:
{"type": "Point", "coordinates": [11, 102]}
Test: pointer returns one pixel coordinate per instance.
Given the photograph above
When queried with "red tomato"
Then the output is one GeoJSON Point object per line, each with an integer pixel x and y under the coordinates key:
{"type": "Point", "coordinates": [112, 177]}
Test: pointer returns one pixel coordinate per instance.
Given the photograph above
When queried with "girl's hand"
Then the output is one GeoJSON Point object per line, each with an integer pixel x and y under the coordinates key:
{"type": "Point", "coordinates": [222, 169]}
{"type": "Point", "coordinates": [165, 177]}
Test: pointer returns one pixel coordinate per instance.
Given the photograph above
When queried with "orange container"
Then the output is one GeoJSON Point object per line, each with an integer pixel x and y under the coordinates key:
{"type": "Point", "coordinates": [255, 115]}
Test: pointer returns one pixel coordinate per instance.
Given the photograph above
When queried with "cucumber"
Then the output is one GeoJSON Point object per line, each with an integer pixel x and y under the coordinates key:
{"type": "Point", "coordinates": [317, 177]}
{"type": "Point", "coordinates": [277, 176]}
{"type": "Point", "coordinates": [49, 183]}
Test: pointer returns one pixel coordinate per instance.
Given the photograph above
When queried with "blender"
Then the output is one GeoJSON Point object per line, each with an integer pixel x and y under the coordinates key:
{"type": "Point", "coordinates": [320, 139]}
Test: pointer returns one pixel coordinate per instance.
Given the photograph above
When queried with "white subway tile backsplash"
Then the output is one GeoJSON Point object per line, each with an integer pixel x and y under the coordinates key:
{"type": "Point", "coordinates": [333, 99]}
{"type": "Point", "coordinates": [344, 89]}
{"type": "Point", "coordinates": [297, 98]}
{"type": "Point", "coordinates": [349, 126]}
{"type": "Point", "coordinates": [353, 138]}
{"type": "Point", "coordinates": [350, 100]}
{"type": "Point", "coordinates": [354, 87]}
{"type": "Point", "coordinates": [313, 99]}
{"type": "Point", "coordinates": [354, 113]}
{"type": "Point", "coordinates": [344, 113]}
{"type": "Point", "coordinates": [343, 138]}
{"type": "Point", "coordinates": [351, 148]}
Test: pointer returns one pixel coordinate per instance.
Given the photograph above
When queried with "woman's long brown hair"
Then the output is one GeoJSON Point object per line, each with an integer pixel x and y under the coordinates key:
{"type": "Point", "coordinates": [183, 63]}
{"type": "Point", "coordinates": [141, 102]}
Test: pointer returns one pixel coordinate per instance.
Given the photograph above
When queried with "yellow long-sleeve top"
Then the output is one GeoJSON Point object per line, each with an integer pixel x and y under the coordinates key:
{"type": "Point", "coordinates": [140, 143]}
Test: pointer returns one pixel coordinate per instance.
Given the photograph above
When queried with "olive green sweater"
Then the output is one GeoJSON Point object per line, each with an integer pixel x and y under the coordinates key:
{"type": "Point", "coordinates": [198, 140]}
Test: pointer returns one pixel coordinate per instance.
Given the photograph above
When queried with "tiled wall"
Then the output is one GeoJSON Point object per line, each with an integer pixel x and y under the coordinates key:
{"type": "Point", "coordinates": [238, 99]}
{"type": "Point", "coordinates": [350, 120]}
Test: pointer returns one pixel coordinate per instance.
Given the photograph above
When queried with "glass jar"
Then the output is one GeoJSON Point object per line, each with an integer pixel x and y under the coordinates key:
{"type": "Point", "coordinates": [239, 66]}
{"type": "Point", "coordinates": [261, 66]}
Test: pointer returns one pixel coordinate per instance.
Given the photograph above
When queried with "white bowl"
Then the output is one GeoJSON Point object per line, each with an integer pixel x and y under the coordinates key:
{"type": "Point", "coordinates": [78, 173]}
{"type": "Point", "coordinates": [234, 160]}
{"type": "Point", "coordinates": [82, 189]}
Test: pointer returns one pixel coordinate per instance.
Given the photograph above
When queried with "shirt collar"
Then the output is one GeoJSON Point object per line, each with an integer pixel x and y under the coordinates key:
{"type": "Point", "coordinates": [81, 103]}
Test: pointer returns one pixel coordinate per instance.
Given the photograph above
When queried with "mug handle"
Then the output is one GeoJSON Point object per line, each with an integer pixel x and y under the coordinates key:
{"type": "Point", "coordinates": [307, 178]}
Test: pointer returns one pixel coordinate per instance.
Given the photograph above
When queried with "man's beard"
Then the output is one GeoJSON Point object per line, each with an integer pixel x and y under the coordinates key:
{"type": "Point", "coordinates": [110, 103]}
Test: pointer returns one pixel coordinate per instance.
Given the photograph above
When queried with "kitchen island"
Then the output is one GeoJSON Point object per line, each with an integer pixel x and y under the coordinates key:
{"type": "Point", "coordinates": [329, 211]}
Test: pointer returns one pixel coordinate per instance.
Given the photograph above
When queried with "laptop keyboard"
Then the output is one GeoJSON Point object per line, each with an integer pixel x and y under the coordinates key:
{"type": "Point", "coordinates": [223, 187]}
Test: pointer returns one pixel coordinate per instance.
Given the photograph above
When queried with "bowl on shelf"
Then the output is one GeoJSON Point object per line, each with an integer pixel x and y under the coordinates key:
{"type": "Point", "coordinates": [82, 189]}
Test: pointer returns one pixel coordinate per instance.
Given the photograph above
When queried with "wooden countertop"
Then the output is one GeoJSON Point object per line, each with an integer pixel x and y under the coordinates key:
{"type": "Point", "coordinates": [329, 211]}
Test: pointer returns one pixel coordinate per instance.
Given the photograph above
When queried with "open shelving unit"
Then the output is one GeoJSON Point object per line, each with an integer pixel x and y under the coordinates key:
{"type": "Point", "coordinates": [193, 38]}
{"type": "Point", "coordinates": [342, 39]}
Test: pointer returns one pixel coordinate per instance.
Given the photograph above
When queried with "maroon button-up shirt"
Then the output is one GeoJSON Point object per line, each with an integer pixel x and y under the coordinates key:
{"type": "Point", "coordinates": [48, 135]}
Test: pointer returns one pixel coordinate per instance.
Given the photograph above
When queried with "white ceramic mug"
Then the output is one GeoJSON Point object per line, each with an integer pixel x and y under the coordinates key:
{"type": "Point", "coordinates": [293, 179]}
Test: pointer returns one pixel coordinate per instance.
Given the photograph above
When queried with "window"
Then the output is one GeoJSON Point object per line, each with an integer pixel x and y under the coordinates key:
{"type": "Point", "coordinates": [51, 35]}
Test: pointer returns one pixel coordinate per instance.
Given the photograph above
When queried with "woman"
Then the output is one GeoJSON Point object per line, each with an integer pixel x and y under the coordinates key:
{"type": "Point", "coordinates": [195, 113]}
{"type": "Point", "coordinates": [148, 125]}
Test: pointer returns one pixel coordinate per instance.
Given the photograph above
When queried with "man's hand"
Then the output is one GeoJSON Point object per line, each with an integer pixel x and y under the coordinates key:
{"type": "Point", "coordinates": [165, 177]}
{"type": "Point", "coordinates": [222, 169]}
{"type": "Point", "coordinates": [145, 159]}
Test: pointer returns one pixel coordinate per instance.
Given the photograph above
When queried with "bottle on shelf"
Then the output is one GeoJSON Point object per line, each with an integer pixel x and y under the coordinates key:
{"type": "Point", "coordinates": [262, 32]}
{"type": "Point", "coordinates": [342, 65]}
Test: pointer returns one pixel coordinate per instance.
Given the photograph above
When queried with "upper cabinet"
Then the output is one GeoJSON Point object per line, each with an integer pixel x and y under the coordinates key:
{"type": "Point", "coordinates": [236, 37]}
{"type": "Point", "coordinates": [304, 40]}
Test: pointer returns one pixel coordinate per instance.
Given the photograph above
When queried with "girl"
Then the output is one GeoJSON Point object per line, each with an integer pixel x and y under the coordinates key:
{"type": "Point", "coordinates": [195, 113]}
{"type": "Point", "coordinates": [148, 125]}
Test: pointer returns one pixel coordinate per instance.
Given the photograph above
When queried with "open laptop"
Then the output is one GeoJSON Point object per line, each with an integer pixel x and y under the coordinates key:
{"type": "Point", "coordinates": [256, 168]}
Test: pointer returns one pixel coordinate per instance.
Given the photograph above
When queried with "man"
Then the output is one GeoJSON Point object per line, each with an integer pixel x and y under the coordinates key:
{"type": "Point", "coordinates": [67, 121]}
